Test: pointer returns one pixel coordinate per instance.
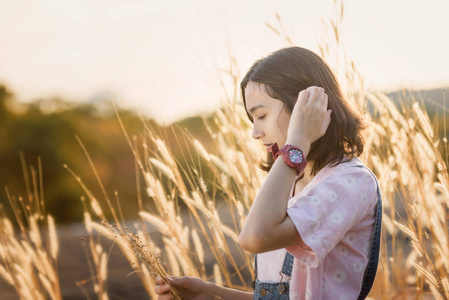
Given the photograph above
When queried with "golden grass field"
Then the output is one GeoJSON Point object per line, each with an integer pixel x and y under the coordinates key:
{"type": "Point", "coordinates": [198, 218]}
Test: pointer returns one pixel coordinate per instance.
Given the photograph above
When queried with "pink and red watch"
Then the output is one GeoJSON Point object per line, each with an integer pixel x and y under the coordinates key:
{"type": "Point", "coordinates": [293, 156]}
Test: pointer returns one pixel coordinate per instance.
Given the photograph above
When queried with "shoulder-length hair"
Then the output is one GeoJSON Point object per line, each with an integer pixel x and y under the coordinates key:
{"type": "Point", "coordinates": [288, 71]}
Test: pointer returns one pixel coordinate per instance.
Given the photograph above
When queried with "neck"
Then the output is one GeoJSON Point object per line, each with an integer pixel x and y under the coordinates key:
{"type": "Point", "coordinates": [308, 174]}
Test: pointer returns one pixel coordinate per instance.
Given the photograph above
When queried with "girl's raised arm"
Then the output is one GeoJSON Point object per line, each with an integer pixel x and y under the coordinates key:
{"type": "Point", "coordinates": [268, 227]}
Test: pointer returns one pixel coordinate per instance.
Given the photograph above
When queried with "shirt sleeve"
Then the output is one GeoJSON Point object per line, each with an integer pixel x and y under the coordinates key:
{"type": "Point", "coordinates": [325, 213]}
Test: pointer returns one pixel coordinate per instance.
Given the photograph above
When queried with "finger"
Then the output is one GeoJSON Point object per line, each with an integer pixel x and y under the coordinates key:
{"type": "Point", "coordinates": [327, 119]}
{"type": "Point", "coordinates": [320, 96]}
{"type": "Point", "coordinates": [325, 100]}
{"type": "Point", "coordinates": [310, 88]}
{"type": "Point", "coordinates": [181, 282]}
{"type": "Point", "coordinates": [165, 297]}
{"type": "Point", "coordinates": [161, 289]}
{"type": "Point", "coordinates": [326, 122]}
{"type": "Point", "coordinates": [302, 97]}
{"type": "Point", "coordinates": [313, 92]}
{"type": "Point", "coordinates": [160, 280]}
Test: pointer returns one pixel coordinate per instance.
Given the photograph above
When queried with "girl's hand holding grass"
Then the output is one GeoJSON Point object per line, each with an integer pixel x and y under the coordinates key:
{"type": "Point", "coordinates": [191, 288]}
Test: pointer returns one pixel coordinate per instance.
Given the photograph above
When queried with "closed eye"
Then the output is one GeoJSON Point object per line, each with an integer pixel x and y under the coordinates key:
{"type": "Point", "coordinates": [261, 117]}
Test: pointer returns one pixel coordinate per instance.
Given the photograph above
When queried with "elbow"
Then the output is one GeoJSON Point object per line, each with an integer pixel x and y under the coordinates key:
{"type": "Point", "coordinates": [253, 242]}
{"type": "Point", "coordinates": [244, 243]}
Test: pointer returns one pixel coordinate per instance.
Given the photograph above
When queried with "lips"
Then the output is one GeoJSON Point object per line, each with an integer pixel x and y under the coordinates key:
{"type": "Point", "coordinates": [273, 148]}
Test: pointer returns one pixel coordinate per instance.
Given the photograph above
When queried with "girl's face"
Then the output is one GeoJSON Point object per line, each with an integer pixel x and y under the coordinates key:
{"type": "Point", "coordinates": [270, 118]}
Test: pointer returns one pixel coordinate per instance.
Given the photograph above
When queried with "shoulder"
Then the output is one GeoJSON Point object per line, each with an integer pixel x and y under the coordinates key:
{"type": "Point", "coordinates": [349, 171]}
{"type": "Point", "coordinates": [349, 178]}
{"type": "Point", "coordinates": [349, 182]}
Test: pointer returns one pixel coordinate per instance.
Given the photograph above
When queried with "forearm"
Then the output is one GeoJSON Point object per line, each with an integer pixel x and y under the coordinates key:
{"type": "Point", "coordinates": [227, 293]}
{"type": "Point", "coordinates": [269, 207]}
{"type": "Point", "coordinates": [267, 225]}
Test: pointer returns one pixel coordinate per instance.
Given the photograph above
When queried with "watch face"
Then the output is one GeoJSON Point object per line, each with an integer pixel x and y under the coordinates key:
{"type": "Point", "coordinates": [295, 156]}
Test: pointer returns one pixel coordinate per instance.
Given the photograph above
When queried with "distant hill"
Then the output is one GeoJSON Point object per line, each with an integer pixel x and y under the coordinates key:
{"type": "Point", "coordinates": [432, 99]}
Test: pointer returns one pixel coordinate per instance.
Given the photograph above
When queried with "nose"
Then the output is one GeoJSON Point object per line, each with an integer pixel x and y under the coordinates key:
{"type": "Point", "coordinates": [257, 133]}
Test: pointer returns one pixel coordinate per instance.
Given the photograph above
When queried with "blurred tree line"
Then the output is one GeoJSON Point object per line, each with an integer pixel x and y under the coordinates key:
{"type": "Point", "coordinates": [47, 129]}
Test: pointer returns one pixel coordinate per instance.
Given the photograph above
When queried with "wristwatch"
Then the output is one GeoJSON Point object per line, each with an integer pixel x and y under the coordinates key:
{"type": "Point", "coordinates": [293, 156]}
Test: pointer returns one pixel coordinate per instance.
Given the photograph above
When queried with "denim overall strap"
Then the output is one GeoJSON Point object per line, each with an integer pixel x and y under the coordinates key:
{"type": "Point", "coordinates": [371, 268]}
{"type": "Point", "coordinates": [253, 285]}
{"type": "Point", "coordinates": [287, 267]}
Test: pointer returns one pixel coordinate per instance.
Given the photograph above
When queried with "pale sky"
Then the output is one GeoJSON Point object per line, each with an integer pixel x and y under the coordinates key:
{"type": "Point", "coordinates": [162, 58]}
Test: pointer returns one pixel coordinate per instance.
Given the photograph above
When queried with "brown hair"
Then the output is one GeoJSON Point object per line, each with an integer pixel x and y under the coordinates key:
{"type": "Point", "coordinates": [288, 71]}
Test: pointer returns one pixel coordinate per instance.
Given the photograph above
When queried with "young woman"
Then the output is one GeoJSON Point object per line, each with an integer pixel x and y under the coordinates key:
{"type": "Point", "coordinates": [312, 222]}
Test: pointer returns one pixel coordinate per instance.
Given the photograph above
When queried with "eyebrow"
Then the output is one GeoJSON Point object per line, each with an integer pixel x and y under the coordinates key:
{"type": "Point", "coordinates": [254, 108]}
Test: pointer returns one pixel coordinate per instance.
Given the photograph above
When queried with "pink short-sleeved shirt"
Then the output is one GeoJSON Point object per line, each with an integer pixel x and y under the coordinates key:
{"type": "Point", "coordinates": [334, 215]}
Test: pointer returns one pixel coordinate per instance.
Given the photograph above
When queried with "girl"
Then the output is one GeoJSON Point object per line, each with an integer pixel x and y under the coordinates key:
{"type": "Point", "coordinates": [312, 224]}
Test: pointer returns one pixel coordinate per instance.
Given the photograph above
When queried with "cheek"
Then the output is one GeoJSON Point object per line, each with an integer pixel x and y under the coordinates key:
{"type": "Point", "coordinates": [284, 121]}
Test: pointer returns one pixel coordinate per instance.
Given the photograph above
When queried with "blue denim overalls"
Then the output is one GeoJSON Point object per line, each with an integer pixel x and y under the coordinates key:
{"type": "Point", "coordinates": [280, 290]}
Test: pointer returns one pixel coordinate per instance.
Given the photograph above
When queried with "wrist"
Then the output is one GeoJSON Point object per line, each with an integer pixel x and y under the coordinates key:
{"type": "Point", "coordinates": [302, 144]}
{"type": "Point", "coordinates": [293, 156]}
{"type": "Point", "coordinates": [213, 290]}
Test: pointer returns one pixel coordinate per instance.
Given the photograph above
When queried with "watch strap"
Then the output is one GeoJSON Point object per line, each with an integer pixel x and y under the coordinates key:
{"type": "Point", "coordinates": [285, 150]}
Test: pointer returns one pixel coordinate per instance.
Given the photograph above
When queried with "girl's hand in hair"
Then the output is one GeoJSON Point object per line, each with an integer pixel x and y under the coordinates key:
{"type": "Point", "coordinates": [310, 118]}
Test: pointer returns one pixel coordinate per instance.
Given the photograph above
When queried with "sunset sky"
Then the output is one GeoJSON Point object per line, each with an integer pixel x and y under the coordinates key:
{"type": "Point", "coordinates": [163, 58]}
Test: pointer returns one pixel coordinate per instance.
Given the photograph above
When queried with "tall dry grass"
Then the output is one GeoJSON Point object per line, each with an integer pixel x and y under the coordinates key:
{"type": "Point", "coordinates": [198, 218]}
{"type": "Point", "coordinates": [203, 230]}
{"type": "Point", "coordinates": [406, 155]}
{"type": "Point", "coordinates": [29, 257]}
